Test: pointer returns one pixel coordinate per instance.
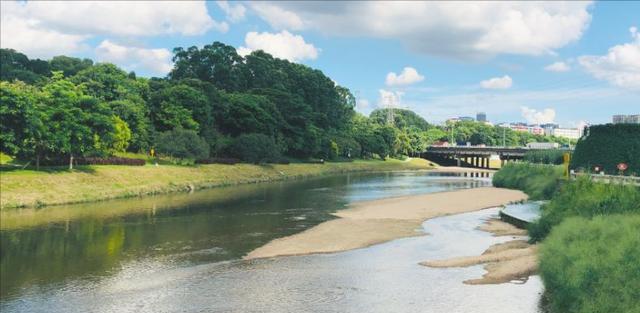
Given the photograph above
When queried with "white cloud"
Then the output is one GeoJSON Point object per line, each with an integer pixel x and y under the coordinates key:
{"type": "Point", "coordinates": [620, 66]}
{"type": "Point", "coordinates": [362, 104]}
{"type": "Point", "coordinates": [277, 17]}
{"type": "Point", "coordinates": [452, 29]}
{"type": "Point", "coordinates": [136, 18]}
{"type": "Point", "coordinates": [157, 61]}
{"type": "Point", "coordinates": [282, 45]}
{"type": "Point", "coordinates": [557, 67]}
{"type": "Point", "coordinates": [389, 99]}
{"type": "Point", "coordinates": [48, 28]}
{"type": "Point", "coordinates": [538, 117]}
{"type": "Point", "coordinates": [235, 13]}
{"type": "Point", "coordinates": [408, 76]}
{"type": "Point", "coordinates": [25, 36]}
{"type": "Point", "coordinates": [503, 82]}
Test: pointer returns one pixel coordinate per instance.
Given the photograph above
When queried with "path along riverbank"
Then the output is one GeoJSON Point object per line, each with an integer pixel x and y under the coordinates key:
{"type": "Point", "coordinates": [372, 222]}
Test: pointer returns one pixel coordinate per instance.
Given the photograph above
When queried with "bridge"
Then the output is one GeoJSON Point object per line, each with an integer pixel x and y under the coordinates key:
{"type": "Point", "coordinates": [469, 156]}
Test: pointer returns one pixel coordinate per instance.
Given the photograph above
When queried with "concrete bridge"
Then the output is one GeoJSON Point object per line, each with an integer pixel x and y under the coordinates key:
{"type": "Point", "coordinates": [467, 156]}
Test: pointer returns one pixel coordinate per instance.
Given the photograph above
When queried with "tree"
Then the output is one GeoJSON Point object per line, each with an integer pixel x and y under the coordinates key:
{"type": "Point", "coordinates": [216, 63]}
{"type": "Point", "coordinates": [255, 148]}
{"type": "Point", "coordinates": [68, 65]}
{"type": "Point", "coordinates": [182, 144]}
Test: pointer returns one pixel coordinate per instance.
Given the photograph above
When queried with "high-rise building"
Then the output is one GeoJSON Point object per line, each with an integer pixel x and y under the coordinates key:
{"type": "Point", "coordinates": [626, 119]}
{"type": "Point", "coordinates": [481, 117]}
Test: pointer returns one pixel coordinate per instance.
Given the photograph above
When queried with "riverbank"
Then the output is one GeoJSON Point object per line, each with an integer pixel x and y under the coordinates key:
{"type": "Point", "coordinates": [27, 188]}
{"type": "Point", "coordinates": [373, 222]}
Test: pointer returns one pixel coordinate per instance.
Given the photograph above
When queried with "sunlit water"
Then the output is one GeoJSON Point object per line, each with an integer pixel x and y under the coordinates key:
{"type": "Point", "coordinates": [182, 253]}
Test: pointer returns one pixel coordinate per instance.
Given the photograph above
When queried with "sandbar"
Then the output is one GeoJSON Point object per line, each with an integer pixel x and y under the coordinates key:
{"type": "Point", "coordinates": [372, 222]}
{"type": "Point", "coordinates": [513, 260]}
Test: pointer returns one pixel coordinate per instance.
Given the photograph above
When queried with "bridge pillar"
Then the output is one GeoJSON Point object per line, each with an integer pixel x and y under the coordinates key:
{"type": "Point", "coordinates": [458, 160]}
{"type": "Point", "coordinates": [486, 162]}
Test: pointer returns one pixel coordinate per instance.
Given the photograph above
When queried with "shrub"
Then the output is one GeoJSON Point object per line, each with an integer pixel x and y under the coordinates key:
{"type": "Point", "coordinates": [585, 198]}
{"type": "Point", "coordinates": [93, 161]}
{"type": "Point", "coordinates": [592, 266]}
{"type": "Point", "coordinates": [182, 144]}
{"type": "Point", "coordinates": [230, 161]}
{"type": "Point", "coordinates": [608, 145]}
{"type": "Point", "coordinates": [255, 148]}
{"type": "Point", "coordinates": [554, 156]}
{"type": "Point", "coordinates": [539, 181]}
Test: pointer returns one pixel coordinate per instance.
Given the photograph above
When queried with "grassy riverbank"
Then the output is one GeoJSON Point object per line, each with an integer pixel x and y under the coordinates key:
{"type": "Point", "coordinates": [27, 188]}
{"type": "Point", "coordinates": [589, 240]}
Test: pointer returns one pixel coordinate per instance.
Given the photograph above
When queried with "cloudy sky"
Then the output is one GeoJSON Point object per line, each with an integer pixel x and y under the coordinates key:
{"type": "Point", "coordinates": [518, 61]}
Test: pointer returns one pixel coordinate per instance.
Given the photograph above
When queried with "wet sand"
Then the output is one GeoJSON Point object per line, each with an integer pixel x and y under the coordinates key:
{"type": "Point", "coordinates": [373, 222]}
{"type": "Point", "coordinates": [500, 228]}
{"type": "Point", "coordinates": [513, 260]}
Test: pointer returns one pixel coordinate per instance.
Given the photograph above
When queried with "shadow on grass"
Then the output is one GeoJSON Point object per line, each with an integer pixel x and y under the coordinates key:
{"type": "Point", "coordinates": [48, 169]}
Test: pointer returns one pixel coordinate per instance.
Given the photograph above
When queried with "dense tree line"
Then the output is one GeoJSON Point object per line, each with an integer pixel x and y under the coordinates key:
{"type": "Point", "coordinates": [605, 146]}
{"type": "Point", "coordinates": [213, 103]}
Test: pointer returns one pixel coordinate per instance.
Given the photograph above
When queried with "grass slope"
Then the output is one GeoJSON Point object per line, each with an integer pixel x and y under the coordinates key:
{"type": "Point", "coordinates": [27, 188]}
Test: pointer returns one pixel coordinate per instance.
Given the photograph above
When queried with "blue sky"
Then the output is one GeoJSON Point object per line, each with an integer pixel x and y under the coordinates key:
{"type": "Point", "coordinates": [539, 62]}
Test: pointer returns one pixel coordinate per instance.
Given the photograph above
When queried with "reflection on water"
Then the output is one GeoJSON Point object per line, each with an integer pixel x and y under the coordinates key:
{"type": "Point", "coordinates": [51, 248]}
{"type": "Point", "coordinates": [382, 278]}
{"type": "Point", "coordinates": [181, 253]}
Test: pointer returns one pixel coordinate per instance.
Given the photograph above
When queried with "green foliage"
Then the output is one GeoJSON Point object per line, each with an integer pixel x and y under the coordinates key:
{"type": "Point", "coordinates": [402, 118]}
{"type": "Point", "coordinates": [17, 66]}
{"type": "Point", "coordinates": [255, 148]}
{"type": "Point", "coordinates": [585, 198]}
{"type": "Point", "coordinates": [182, 144]}
{"type": "Point", "coordinates": [69, 66]}
{"type": "Point", "coordinates": [608, 145]}
{"type": "Point", "coordinates": [539, 181]}
{"type": "Point", "coordinates": [553, 156]}
{"type": "Point", "coordinates": [591, 266]}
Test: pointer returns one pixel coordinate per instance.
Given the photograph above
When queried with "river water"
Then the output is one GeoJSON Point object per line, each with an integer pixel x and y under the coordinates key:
{"type": "Point", "coordinates": [182, 253]}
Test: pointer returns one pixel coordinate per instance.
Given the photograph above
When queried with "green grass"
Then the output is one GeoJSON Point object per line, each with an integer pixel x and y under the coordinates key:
{"type": "Point", "coordinates": [585, 198]}
{"type": "Point", "coordinates": [539, 181]}
{"type": "Point", "coordinates": [593, 266]}
{"type": "Point", "coordinates": [29, 188]}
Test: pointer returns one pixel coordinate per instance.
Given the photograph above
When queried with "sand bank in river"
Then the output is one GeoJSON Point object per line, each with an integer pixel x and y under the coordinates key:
{"type": "Point", "coordinates": [373, 222]}
{"type": "Point", "coordinates": [505, 262]}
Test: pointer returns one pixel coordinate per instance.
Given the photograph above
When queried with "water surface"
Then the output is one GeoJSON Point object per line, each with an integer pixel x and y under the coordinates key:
{"type": "Point", "coordinates": [181, 253]}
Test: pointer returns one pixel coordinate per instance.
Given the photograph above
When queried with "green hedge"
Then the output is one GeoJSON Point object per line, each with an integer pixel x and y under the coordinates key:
{"type": "Point", "coordinates": [606, 146]}
{"type": "Point", "coordinates": [593, 266]}
{"type": "Point", "coordinates": [539, 181]}
{"type": "Point", "coordinates": [585, 198]}
{"type": "Point", "coordinates": [553, 156]}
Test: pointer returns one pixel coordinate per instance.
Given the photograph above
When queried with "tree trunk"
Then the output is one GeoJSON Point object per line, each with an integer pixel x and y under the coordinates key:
{"type": "Point", "coordinates": [37, 161]}
{"type": "Point", "coordinates": [71, 161]}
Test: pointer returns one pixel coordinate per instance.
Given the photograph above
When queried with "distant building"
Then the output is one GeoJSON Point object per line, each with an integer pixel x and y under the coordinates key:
{"type": "Point", "coordinates": [543, 145]}
{"type": "Point", "coordinates": [466, 118]}
{"type": "Point", "coordinates": [626, 119]}
{"type": "Point", "coordinates": [571, 133]}
{"type": "Point", "coordinates": [481, 117]}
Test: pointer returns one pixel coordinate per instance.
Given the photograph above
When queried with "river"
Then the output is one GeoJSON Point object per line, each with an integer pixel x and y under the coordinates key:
{"type": "Point", "coordinates": [182, 253]}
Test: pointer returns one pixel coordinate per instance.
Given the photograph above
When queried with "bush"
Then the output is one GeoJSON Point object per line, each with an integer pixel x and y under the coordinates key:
{"type": "Point", "coordinates": [592, 266]}
{"type": "Point", "coordinates": [537, 180]}
{"type": "Point", "coordinates": [229, 161]}
{"type": "Point", "coordinates": [93, 161]}
{"type": "Point", "coordinates": [554, 156]}
{"type": "Point", "coordinates": [585, 198]}
{"type": "Point", "coordinates": [182, 144]}
{"type": "Point", "coordinates": [608, 145]}
{"type": "Point", "coordinates": [255, 148]}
